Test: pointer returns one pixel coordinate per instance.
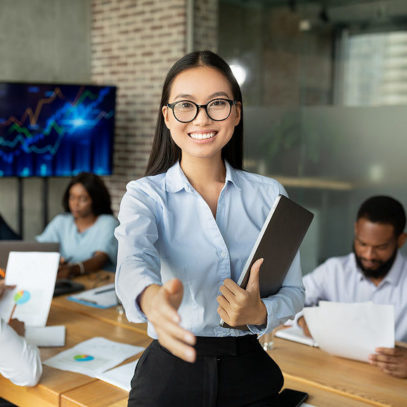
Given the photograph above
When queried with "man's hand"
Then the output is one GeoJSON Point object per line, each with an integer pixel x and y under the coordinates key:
{"type": "Point", "coordinates": [303, 324]}
{"type": "Point", "coordinates": [160, 305]}
{"type": "Point", "coordinates": [392, 361]}
{"type": "Point", "coordinates": [18, 326]}
{"type": "Point", "coordinates": [238, 306]}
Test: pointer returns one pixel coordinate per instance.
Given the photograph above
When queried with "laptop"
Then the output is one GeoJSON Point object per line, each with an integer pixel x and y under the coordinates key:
{"type": "Point", "coordinates": [7, 246]}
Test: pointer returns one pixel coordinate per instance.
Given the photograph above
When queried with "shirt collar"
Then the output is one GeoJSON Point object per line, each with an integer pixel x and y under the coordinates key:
{"type": "Point", "coordinates": [394, 274]}
{"type": "Point", "coordinates": [175, 179]}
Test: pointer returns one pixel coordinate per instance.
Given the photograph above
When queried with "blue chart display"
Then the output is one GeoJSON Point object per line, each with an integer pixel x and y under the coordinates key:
{"type": "Point", "coordinates": [56, 130]}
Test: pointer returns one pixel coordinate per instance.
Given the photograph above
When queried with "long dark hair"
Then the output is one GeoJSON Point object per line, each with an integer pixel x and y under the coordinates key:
{"type": "Point", "coordinates": [96, 188]}
{"type": "Point", "coordinates": [165, 152]}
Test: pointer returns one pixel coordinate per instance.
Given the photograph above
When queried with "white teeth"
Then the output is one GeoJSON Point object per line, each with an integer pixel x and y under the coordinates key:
{"type": "Point", "coordinates": [201, 136]}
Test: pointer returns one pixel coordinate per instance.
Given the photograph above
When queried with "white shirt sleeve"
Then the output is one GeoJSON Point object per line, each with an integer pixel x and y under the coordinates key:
{"type": "Point", "coordinates": [19, 361]}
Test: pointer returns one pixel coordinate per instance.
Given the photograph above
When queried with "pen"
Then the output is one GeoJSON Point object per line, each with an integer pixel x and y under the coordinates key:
{"type": "Point", "coordinates": [12, 312]}
{"type": "Point", "coordinates": [105, 290]}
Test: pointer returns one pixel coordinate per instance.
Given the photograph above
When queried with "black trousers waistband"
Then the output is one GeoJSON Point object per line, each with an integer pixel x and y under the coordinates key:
{"type": "Point", "coordinates": [225, 346]}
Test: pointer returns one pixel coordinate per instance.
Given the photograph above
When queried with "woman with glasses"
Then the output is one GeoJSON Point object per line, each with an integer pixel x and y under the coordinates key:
{"type": "Point", "coordinates": [186, 230]}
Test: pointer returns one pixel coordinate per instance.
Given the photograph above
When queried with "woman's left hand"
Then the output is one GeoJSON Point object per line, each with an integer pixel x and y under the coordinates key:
{"type": "Point", "coordinates": [238, 306]}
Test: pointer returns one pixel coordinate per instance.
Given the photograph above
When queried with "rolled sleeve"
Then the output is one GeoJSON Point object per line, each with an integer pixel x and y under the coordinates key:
{"type": "Point", "coordinates": [283, 305]}
{"type": "Point", "coordinates": [138, 262]}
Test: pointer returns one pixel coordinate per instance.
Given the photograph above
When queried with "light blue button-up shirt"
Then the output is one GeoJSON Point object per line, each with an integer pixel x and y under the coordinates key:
{"type": "Point", "coordinates": [78, 246]}
{"type": "Point", "coordinates": [167, 230]}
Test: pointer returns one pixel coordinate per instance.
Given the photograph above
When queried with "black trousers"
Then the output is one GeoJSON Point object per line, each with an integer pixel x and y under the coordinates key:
{"type": "Point", "coordinates": [228, 372]}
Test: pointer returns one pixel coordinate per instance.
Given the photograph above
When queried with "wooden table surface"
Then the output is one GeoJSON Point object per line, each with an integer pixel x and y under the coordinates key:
{"type": "Point", "coordinates": [330, 381]}
{"type": "Point", "coordinates": [357, 380]}
{"type": "Point", "coordinates": [113, 315]}
{"type": "Point", "coordinates": [55, 382]}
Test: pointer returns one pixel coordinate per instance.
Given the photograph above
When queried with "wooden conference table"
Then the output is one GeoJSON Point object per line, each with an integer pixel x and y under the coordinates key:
{"type": "Point", "coordinates": [330, 381]}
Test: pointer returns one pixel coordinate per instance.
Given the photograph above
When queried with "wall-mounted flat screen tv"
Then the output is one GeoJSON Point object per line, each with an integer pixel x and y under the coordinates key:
{"type": "Point", "coordinates": [56, 130]}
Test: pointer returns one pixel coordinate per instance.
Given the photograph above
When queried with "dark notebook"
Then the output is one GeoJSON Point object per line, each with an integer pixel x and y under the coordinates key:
{"type": "Point", "coordinates": [65, 286]}
{"type": "Point", "coordinates": [277, 243]}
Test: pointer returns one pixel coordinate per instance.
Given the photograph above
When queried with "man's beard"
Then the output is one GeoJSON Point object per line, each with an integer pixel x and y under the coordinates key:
{"type": "Point", "coordinates": [379, 272]}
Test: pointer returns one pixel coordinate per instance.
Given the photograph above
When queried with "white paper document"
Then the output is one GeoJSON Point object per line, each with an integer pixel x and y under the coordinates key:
{"type": "Point", "coordinates": [45, 336]}
{"type": "Point", "coordinates": [351, 330]}
{"type": "Point", "coordinates": [120, 376]}
{"type": "Point", "coordinates": [295, 333]}
{"type": "Point", "coordinates": [101, 297]}
{"type": "Point", "coordinates": [34, 275]}
{"type": "Point", "coordinates": [93, 356]}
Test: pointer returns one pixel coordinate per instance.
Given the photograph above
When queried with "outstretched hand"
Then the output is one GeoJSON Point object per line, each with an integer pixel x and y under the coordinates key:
{"type": "Point", "coordinates": [160, 304]}
{"type": "Point", "coordinates": [238, 306]}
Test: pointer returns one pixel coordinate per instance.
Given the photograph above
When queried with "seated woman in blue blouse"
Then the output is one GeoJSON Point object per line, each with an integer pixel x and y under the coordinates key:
{"type": "Point", "coordinates": [85, 230]}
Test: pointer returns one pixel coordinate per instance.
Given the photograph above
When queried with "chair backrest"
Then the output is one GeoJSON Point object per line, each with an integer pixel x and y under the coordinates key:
{"type": "Point", "coordinates": [6, 233]}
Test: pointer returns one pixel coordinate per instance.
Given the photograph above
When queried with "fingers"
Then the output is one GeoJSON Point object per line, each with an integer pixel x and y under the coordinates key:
{"type": "Point", "coordinates": [227, 293]}
{"type": "Point", "coordinates": [160, 306]}
{"type": "Point", "coordinates": [174, 291]}
{"type": "Point", "coordinates": [387, 351]}
{"type": "Point", "coordinates": [173, 340]}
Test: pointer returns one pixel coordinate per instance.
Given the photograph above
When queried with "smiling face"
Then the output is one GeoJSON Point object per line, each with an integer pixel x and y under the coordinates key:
{"type": "Point", "coordinates": [203, 137]}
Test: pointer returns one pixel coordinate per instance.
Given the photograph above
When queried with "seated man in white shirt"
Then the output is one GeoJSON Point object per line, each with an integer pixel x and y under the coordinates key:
{"type": "Point", "coordinates": [376, 271]}
{"type": "Point", "coordinates": [19, 361]}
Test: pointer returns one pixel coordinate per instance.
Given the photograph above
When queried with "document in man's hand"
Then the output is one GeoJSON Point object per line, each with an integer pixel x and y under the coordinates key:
{"type": "Point", "coordinates": [351, 330]}
{"type": "Point", "coordinates": [277, 243]}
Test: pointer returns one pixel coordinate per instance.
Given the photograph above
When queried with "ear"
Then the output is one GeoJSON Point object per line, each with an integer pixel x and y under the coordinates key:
{"type": "Point", "coordinates": [165, 113]}
{"type": "Point", "coordinates": [401, 240]}
{"type": "Point", "coordinates": [238, 107]}
{"type": "Point", "coordinates": [355, 228]}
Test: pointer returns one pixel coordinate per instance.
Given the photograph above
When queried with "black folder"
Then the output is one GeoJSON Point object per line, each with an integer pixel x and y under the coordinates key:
{"type": "Point", "coordinates": [277, 243]}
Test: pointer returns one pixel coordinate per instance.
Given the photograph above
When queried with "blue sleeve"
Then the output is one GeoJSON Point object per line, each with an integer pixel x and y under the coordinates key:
{"type": "Point", "coordinates": [138, 261]}
{"type": "Point", "coordinates": [52, 231]}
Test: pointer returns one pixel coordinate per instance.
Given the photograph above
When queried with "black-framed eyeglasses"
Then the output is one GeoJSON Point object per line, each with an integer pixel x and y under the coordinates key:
{"type": "Point", "coordinates": [186, 111]}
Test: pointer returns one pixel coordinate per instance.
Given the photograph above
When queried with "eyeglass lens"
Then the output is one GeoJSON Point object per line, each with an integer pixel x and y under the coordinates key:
{"type": "Point", "coordinates": [218, 109]}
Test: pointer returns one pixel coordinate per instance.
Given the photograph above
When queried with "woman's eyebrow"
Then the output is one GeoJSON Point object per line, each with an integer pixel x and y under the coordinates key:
{"type": "Point", "coordinates": [213, 95]}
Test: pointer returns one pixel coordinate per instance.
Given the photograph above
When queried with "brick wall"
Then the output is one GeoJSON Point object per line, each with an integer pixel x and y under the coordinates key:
{"type": "Point", "coordinates": [206, 25]}
{"type": "Point", "coordinates": [134, 42]}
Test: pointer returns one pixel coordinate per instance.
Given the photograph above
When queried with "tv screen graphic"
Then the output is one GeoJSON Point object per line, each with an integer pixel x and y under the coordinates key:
{"type": "Point", "coordinates": [56, 130]}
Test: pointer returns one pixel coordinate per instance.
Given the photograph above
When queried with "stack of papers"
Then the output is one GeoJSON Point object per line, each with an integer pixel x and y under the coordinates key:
{"type": "Point", "coordinates": [101, 297]}
{"type": "Point", "coordinates": [120, 376]}
{"type": "Point", "coordinates": [296, 334]}
{"type": "Point", "coordinates": [45, 336]}
{"type": "Point", "coordinates": [93, 357]}
{"type": "Point", "coordinates": [351, 330]}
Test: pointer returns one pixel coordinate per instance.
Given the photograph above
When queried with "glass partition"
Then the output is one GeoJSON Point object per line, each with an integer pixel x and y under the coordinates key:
{"type": "Point", "coordinates": [325, 94]}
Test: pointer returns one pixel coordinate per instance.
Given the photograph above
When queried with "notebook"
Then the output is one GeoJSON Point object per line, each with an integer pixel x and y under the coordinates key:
{"type": "Point", "coordinates": [277, 243]}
